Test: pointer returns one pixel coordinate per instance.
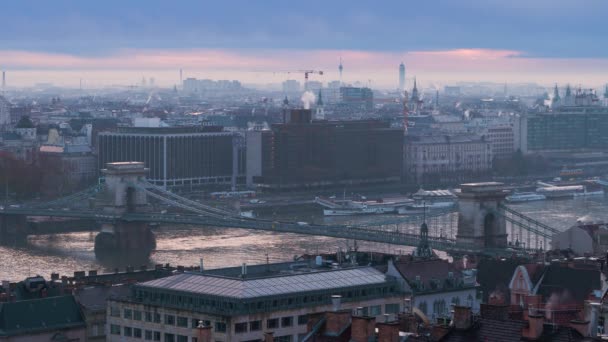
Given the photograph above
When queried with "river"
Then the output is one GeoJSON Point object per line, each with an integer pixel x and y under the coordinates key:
{"type": "Point", "coordinates": [184, 245]}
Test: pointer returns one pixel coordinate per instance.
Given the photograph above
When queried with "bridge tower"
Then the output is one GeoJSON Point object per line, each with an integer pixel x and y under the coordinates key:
{"type": "Point", "coordinates": [121, 236]}
{"type": "Point", "coordinates": [121, 196]}
{"type": "Point", "coordinates": [479, 223]}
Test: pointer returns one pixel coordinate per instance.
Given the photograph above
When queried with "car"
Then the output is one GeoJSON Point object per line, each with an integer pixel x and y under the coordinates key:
{"type": "Point", "coordinates": [302, 223]}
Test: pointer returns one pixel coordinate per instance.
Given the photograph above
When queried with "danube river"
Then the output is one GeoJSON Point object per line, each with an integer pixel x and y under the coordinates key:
{"type": "Point", "coordinates": [180, 245]}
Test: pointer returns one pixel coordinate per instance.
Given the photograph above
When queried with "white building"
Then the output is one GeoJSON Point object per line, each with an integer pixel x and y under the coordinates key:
{"type": "Point", "coordinates": [242, 306]}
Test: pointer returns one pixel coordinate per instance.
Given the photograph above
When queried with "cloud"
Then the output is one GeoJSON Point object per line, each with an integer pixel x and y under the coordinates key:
{"type": "Point", "coordinates": [274, 65]}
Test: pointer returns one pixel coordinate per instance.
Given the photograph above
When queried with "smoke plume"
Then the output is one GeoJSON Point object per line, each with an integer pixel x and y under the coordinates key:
{"type": "Point", "coordinates": [308, 98]}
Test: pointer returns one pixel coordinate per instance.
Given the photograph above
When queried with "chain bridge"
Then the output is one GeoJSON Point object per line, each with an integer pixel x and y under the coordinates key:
{"type": "Point", "coordinates": [126, 204]}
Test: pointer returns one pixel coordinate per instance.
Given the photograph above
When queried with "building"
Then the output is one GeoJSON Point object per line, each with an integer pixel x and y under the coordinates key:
{"type": "Point", "coordinates": [357, 97]}
{"type": "Point", "coordinates": [446, 159]}
{"type": "Point", "coordinates": [243, 305]}
{"type": "Point", "coordinates": [435, 284]}
{"type": "Point", "coordinates": [176, 156]}
{"type": "Point", "coordinates": [585, 238]}
{"type": "Point", "coordinates": [305, 153]}
{"type": "Point", "coordinates": [71, 167]}
{"type": "Point", "coordinates": [92, 300]}
{"type": "Point", "coordinates": [564, 129]}
{"type": "Point", "coordinates": [502, 139]}
{"type": "Point", "coordinates": [5, 113]}
{"type": "Point", "coordinates": [291, 86]}
{"type": "Point", "coordinates": [401, 77]}
{"type": "Point", "coordinates": [43, 319]}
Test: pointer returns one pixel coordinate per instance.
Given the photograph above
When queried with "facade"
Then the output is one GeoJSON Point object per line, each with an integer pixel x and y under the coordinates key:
{"type": "Point", "coordinates": [176, 156]}
{"type": "Point", "coordinates": [245, 307]}
{"type": "Point", "coordinates": [446, 159]}
{"type": "Point", "coordinates": [564, 129]}
{"type": "Point", "coordinates": [503, 141]}
{"type": "Point", "coordinates": [291, 86]}
{"type": "Point", "coordinates": [5, 113]}
{"type": "Point", "coordinates": [74, 166]}
{"type": "Point", "coordinates": [435, 285]}
{"type": "Point", "coordinates": [357, 97]}
{"type": "Point", "coordinates": [302, 153]}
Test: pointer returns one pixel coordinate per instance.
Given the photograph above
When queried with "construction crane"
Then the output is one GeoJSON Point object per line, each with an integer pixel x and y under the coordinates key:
{"type": "Point", "coordinates": [306, 73]}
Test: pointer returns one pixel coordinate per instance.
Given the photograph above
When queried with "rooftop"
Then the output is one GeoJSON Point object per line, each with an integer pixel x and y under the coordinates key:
{"type": "Point", "coordinates": [243, 288]}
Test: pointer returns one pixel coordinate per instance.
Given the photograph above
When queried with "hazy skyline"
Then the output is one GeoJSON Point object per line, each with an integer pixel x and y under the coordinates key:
{"type": "Point", "coordinates": [114, 42]}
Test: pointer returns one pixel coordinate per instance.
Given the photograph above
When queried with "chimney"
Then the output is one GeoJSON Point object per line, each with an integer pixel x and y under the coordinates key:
{"type": "Point", "coordinates": [362, 328]}
{"type": "Point", "coordinates": [462, 317]}
{"type": "Point", "coordinates": [244, 270]}
{"type": "Point", "coordinates": [203, 332]}
{"type": "Point", "coordinates": [202, 268]}
{"type": "Point", "coordinates": [335, 302]}
{"type": "Point", "coordinates": [388, 332]}
{"type": "Point", "coordinates": [594, 319]}
{"type": "Point", "coordinates": [269, 336]}
{"type": "Point", "coordinates": [337, 321]}
{"type": "Point", "coordinates": [535, 325]}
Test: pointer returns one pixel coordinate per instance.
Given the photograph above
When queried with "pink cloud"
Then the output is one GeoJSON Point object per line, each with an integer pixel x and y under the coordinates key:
{"type": "Point", "coordinates": [253, 65]}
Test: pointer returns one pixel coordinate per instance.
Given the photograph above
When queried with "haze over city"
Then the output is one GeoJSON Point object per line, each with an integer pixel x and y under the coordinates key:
{"type": "Point", "coordinates": [115, 43]}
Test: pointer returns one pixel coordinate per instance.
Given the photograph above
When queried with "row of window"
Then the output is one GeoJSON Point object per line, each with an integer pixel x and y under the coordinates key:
{"type": "Point", "coordinates": [147, 335]}
{"type": "Point", "coordinates": [156, 317]}
{"type": "Point", "coordinates": [271, 323]}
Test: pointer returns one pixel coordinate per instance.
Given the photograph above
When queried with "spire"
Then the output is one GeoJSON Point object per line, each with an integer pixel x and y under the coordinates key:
{"type": "Point", "coordinates": [285, 102]}
{"type": "Point", "coordinates": [340, 68]}
{"type": "Point", "coordinates": [424, 250]}
{"type": "Point", "coordinates": [606, 92]}
{"type": "Point", "coordinates": [320, 99]}
{"type": "Point", "coordinates": [555, 94]}
{"type": "Point", "coordinates": [568, 91]}
{"type": "Point", "coordinates": [415, 88]}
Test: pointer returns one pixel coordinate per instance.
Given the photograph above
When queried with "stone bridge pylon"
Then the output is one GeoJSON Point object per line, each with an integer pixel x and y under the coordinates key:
{"type": "Point", "coordinates": [120, 237]}
{"type": "Point", "coordinates": [479, 221]}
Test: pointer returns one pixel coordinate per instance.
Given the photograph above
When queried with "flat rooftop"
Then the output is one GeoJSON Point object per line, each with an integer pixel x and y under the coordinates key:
{"type": "Point", "coordinates": [244, 288]}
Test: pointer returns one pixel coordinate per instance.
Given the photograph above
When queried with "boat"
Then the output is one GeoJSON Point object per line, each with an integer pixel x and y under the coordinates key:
{"type": "Point", "coordinates": [525, 197]}
{"type": "Point", "coordinates": [568, 191]}
{"type": "Point", "coordinates": [349, 207]}
{"type": "Point", "coordinates": [429, 200]}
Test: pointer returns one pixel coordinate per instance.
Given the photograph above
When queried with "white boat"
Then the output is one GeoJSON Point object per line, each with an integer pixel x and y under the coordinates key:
{"type": "Point", "coordinates": [526, 197]}
{"type": "Point", "coordinates": [350, 207]}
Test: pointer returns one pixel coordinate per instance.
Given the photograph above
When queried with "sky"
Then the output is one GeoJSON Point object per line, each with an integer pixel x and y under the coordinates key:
{"type": "Point", "coordinates": [440, 41]}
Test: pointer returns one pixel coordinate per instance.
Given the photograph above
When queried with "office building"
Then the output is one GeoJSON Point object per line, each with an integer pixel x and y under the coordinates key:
{"type": "Point", "coordinates": [502, 139]}
{"type": "Point", "coordinates": [306, 153]}
{"type": "Point", "coordinates": [291, 86]}
{"type": "Point", "coordinates": [176, 156]}
{"type": "Point", "coordinates": [242, 304]}
{"type": "Point", "coordinates": [401, 77]}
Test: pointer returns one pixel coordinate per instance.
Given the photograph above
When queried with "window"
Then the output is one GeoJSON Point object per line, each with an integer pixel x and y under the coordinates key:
{"type": "Point", "coordinates": [148, 316]}
{"type": "Point", "coordinates": [391, 308]}
{"type": "Point", "coordinates": [302, 319]}
{"type": "Point", "coordinates": [272, 323]}
{"type": "Point", "coordinates": [240, 327]}
{"type": "Point", "coordinates": [156, 317]}
{"type": "Point", "coordinates": [137, 332]}
{"type": "Point", "coordinates": [137, 315]}
{"type": "Point", "coordinates": [286, 338]}
{"type": "Point", "coordinates": [114, 311]}
{"type": "Point", "coordinates": [128, 331]}
{"type": "Point", "coordinates": [128, 314]}
{"type": "Point", "coordinates": [287, 321]}
{"type": "Point", "coordinates": [170, 319]}
{"type": "Point", "coordinates": [148, 335]}
{"type": "Point", "coordinates": [169, 337]}
{"type": "Point", "coordinates": [182, 321]}
{"type": "Point", "coordinates": [220, 326]}
{"type": "Point", "coordinates": [375, 310]}
{"type": "Point", "coordinates": [255, 325]}
{"type": "Point", "coordinates": [157, 336]}
{"type": "Point", "coordinates": [114, 329]}
{"type": "Point", "coordinates": [182, 338]}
